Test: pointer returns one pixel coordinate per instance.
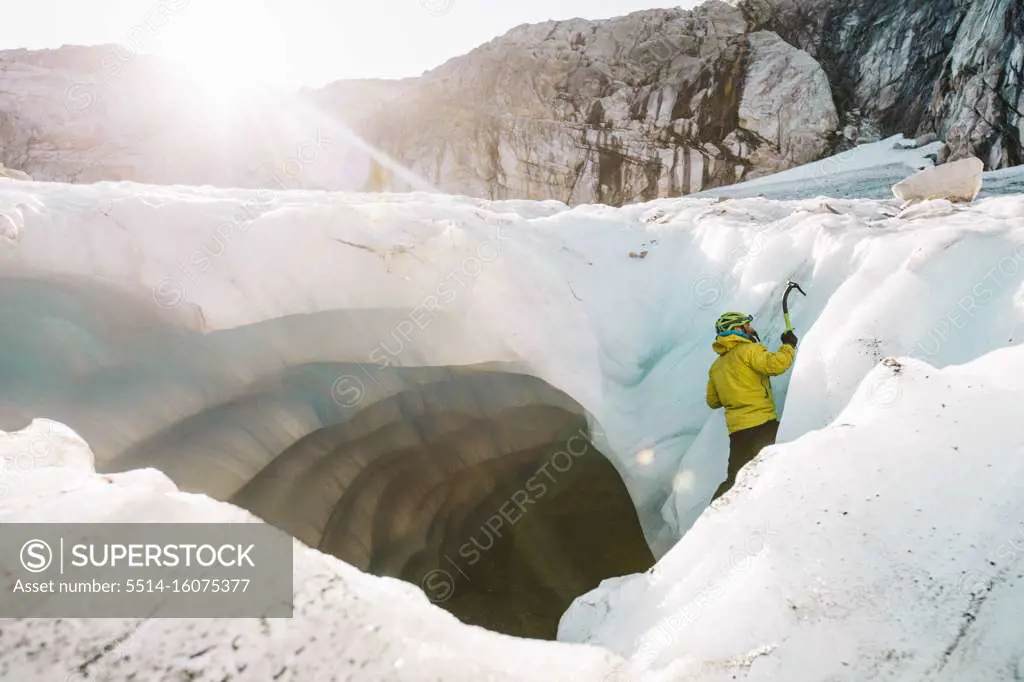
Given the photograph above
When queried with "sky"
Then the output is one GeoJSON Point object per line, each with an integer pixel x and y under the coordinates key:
{"type": "Point", "coordinates": [294, 42]}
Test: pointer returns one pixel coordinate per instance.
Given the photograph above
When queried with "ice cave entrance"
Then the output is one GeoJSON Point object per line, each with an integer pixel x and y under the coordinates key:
{"type": "Point", "coordinates": [478, 484]}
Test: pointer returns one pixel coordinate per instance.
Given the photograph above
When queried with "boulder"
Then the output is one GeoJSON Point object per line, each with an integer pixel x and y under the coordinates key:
{"type": "Point", "coordinates": [787, 100]}
{"type": "Point", "coordinates": [958, 181]}
{"type": "Point", "coordinates": [12, 174]}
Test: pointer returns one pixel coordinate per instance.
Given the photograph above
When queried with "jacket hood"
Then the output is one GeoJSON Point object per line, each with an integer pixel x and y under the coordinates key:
{"type": "Point", "coordinates": [724, 344]}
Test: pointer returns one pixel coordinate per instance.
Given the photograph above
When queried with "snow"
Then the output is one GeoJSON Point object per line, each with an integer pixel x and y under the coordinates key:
{"type": "Point", "coordinates": [957, 181]}
{"type": "Point", "coordinates": [921, 452]}
{"type": "Point", "coordinates": [886, 546]}
{"type": "Point", "coordinates": [894, 150]}
{"type": "Point", "coordinates": [347, 625]}
{"type": "Point", "coordinates": [866, 171]}
{"type": "Point", "coordinates": [627, 338]}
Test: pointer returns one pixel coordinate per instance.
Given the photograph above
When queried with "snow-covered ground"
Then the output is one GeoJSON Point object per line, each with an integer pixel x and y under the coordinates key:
{"type": "Point", "coordinates": [346, 625]}
{"type": "Point", "coordinates": [616, 308]}
{"type": "Point", "coordinates": [865, 172]}
{"type": "Point", "coordinates": [886, 546]}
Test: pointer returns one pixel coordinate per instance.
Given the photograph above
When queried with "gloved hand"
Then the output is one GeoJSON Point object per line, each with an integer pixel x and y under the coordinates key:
{"type": "Point", "coordinates": [789, 338]}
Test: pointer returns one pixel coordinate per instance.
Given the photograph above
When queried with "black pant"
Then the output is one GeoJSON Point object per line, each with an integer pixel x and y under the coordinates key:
{"type": "Point", "coordinates": [743, 447]}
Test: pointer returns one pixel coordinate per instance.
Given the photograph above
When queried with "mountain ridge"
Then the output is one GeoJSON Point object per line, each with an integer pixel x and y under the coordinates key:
{"type": "Point", "coordinates": [656, 103]}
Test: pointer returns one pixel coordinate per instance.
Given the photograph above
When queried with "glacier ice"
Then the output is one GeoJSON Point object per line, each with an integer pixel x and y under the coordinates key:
{"type": "Point", "coordinates": [231, 325]}
{"type": "Point", "coordinates": [957, 181]}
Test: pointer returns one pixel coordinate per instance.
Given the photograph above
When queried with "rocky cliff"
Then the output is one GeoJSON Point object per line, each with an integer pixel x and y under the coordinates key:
{"type": "Point", "coordinates": [669, 102]}
{"type": "Point", "coordinates": [656, 103]}
{"type": "Point", "coordinates": [949, 68]}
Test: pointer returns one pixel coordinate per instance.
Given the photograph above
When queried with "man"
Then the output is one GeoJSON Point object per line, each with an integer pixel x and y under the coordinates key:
{"type": "Point", "coordinates": [739, 382]}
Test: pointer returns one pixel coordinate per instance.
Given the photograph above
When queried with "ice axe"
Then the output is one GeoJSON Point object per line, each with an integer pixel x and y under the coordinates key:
{"type": "Point", "coordinates": [785, 302]}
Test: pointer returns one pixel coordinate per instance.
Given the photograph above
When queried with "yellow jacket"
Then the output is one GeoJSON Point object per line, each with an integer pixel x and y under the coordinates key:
{"type": "Point", "coordinates": [738, 380]}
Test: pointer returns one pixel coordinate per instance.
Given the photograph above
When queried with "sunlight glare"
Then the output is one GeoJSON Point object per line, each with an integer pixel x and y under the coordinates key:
{"type": "Point", "coordinates": [227, 47]}
{"type": "Point", "coordinates": [684, 482]}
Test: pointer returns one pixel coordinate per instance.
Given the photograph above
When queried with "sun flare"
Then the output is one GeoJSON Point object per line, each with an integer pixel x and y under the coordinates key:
{"type": "Point", "coordinates": [227, 47]}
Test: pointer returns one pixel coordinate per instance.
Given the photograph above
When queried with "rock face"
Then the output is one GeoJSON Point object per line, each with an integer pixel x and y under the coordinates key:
{"type": "Point", "coordinates": [954, 68]}
{"type": "Point", "coordinates": [86, 114]}
{"type": "Point", "coordinates": [657, 103]}
{"type": "Point", "coordinates": [959, 182]}
{"type": "Point", "coordinates": [669, 102]}
{"type": "Point", "coordinates": [786, 102]}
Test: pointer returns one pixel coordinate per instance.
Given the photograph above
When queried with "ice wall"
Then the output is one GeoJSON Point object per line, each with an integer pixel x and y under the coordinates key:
{"type": "Point", "coordinates": [612, 307]}
{"type": "Point", "coordinates": [887, 546]}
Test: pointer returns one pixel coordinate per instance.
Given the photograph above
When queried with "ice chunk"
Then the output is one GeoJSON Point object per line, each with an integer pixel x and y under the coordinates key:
{"type": "Point", "coordinates": [45, 443]}
{"type": "Point", "coordinates": [957, 181]}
